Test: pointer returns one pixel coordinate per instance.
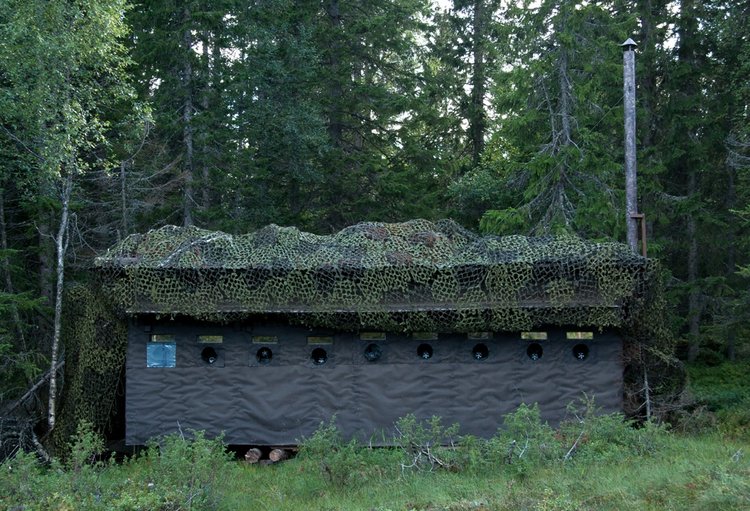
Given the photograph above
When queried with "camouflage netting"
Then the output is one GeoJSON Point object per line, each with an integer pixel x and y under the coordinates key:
{"type": "Point", "coordinates": [95, 340]}
{"type": "Point", "coordinates": [412, 276]}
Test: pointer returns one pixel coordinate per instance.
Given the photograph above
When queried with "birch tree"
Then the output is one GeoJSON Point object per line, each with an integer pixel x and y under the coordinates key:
{"type": "Point", "coordinates": [63, 66]}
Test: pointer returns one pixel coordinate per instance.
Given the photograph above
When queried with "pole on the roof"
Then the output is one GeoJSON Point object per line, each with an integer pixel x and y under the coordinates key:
{"type": "Point", "coordinates": [631, 186]}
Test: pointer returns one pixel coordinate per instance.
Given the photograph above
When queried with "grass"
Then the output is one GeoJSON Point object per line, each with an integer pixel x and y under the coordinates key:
{"type": "Point", "coordinates": [687, 473]}
{"type": "Point", "coordinates": [614, 467]}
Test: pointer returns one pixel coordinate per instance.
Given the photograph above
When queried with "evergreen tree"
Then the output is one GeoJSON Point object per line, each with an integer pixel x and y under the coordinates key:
{"type": "Point", "coordinates": [556, 152]}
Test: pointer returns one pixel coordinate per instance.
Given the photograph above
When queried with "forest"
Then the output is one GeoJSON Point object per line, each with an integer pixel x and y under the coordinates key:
{"type": "Point", "coordinates": [117, 117]}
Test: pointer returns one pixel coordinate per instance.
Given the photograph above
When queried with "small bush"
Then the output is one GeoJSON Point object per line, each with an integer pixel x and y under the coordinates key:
{"type": "Point", "coordinates": [589, 435]}
{"type": "Point", "coordinates": [21, 480]}
{"type": "Point", "coordinates": [723, 394]}
{"type": "Point", "coordinates": [342, 463]}
{"type": "Point", "coordinates": [472, 455]}
{"type": "Point", "coordinates": [77, 484]}
{"type": "Point", "coordinates": [524, 441]}
{"type": "Point", "coordinates": [186, 471]}
{"type": "Point", "coordinates": [424, 443]}
{"type": "Point", "coordinates": [735, 423]}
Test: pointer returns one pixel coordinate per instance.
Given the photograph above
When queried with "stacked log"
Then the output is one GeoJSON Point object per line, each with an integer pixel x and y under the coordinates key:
{"type": "Point", "coordinates": [253, 455]}
{"type": "Point", "coordinates": [277, 455]}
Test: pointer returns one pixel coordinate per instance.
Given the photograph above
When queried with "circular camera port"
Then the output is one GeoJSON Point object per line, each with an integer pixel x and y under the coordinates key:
{"type": "Point", "coordinates": [480, 351]}
{"type": "Point", "coordinates": [319, 356]}
{"type": "Point", "coordinates": [373, 352]}
{"type": "Point", "coordinates": [209, 355]}
{"type": "Point", "coordinates": [264, 355]}
{"type": "Point", "coordinates": [581, 351]}
{"type": "Point", "coordinates": [534, 351]}
{"type": "Point", "coordinates": [424, 351]}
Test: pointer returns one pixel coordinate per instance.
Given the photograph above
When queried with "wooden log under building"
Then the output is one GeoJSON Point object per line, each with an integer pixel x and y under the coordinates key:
{"type": "Point", "coordinates": [253, 455]}
{"type": "Point", "coordinates": [277, 455]}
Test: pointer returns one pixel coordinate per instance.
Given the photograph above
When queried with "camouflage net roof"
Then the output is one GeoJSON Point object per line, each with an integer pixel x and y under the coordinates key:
{"type": "Point", "coordinates": [410, 276]}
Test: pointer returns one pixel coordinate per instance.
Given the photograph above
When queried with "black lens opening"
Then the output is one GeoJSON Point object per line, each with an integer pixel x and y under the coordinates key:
{"type": "Point", "coordinates": [319, 356]}
{"type": "Point", "coordinates": [209, 355]}
{"type": "Point", "coordinates": [480, 351]}
{"type": "Point", "coordinates": [264, 356]}
{"type": "Point", "coordinates": [424, 351]}
{"type": "Point", "coordinates": [581, 352]}
{"type": "Point", "coordinates": [534, 351]}
{"type": "Point", "coordinates": [373, 352]}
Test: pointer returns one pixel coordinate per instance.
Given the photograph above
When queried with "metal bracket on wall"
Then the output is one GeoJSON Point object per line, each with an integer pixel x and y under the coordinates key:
{"type": "Point", "coordinates": [641, 217]}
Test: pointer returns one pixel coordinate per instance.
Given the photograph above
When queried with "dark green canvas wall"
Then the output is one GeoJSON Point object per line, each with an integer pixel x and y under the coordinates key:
{"type": "Point", "coordinates": [281, 402]}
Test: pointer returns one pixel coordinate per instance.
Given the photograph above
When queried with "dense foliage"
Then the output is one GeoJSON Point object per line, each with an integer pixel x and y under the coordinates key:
{"type": "Point", "coordinates": [116, 117]}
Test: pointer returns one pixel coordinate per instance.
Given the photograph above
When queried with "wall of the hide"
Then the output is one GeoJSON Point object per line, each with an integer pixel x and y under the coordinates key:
{"type": "Point", "coordinates": [281, 402]}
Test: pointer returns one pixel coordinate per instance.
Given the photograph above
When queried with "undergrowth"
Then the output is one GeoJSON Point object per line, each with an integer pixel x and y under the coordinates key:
{"type": "Point", "coordinates": [590, 461]}
{"type": "Point", "coordinates": [176, 473]}
{"type": "Point", "coordinates": [722, 396]}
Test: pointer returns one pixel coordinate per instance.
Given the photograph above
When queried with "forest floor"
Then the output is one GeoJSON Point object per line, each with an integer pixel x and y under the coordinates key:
{"type": "Point", "coordinates": [702, 465]}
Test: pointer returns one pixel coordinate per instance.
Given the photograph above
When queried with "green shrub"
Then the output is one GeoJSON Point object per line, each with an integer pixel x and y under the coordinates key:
{"type": "Point", "coordinates": [21, 480]}
{"type": "Point", "coordinates": [722, 387]}
{"type": "Point", "coordinates": [343, 463]}
{"type": "Point", "coordinates": [722, 394]}
{"type": "Point", "coordinates": [84, 467]}
{"type": "Point", "coordinates": [427, 444]}
{"type": "Point", "coordinates": [735, 423]}
{"type": "Point", "coordinates": [472, 455]}
{"type": "Point", "coordinates": [589, 435]}
{"type": "Point", "coordinates": [186, 472]}
{"type": "Point", "coordinates": [524, 441]}
{"type": "Point", "coordinates": [77, 484]}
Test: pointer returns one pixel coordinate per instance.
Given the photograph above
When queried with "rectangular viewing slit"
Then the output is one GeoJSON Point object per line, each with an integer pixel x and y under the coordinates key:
{"type": "Point", "coordinates": [534, 336]}
{"type": "Point", "coordinates": [210, 339]}
{"type": "Point", "coordinates": [162, 338]}
{"type": "Point", "coordinates": [320, 339]}
{"type": "Point", "coordinates": [265, 339]}
{"type": "Point", "coordinates": [372, 336]}
{"type": "Point", "coordinates": [425, 336]}
{"type": "Point", "coordinates": [579, 335]}
{"type": "Point", "coordinates": [479, 336]}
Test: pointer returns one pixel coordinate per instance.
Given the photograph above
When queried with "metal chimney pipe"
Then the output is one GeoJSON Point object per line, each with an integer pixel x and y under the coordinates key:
{"type": "Point", "coordinates": [631, 185]}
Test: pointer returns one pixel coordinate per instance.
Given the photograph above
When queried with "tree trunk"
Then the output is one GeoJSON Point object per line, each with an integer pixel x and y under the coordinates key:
{"type": "Point", "coordinates": [187, 121]}
{"type": "Point", "coordinates": [687, 55]}
{"type": "Point", "coordinates": [565, 99]}
{"type": "Point", "coordinates": [647, 74]}
{"type": "Point", "coordinates": [60, 246]}
{"type": "Point", "coordinates": [205, 104]}
{"type": "Point", "coordinates": [18, 325]}
{"type": "Point", "coordinates": [124, 227]}
{"type": "Point", "coordinates": [44, 230]}
{"type": "Point", "coordinates": [32, 391]}
{"type": "Point", "coordinates": [631, 160]}
{"type": "Point", "coordinates": [694, 299]}
{"type": "Point", "coordinates": [731, 264]}
{"type": "Point", "coordinates": [335, 88]}
{"type": "Point", "coordinates": [477, 117]}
